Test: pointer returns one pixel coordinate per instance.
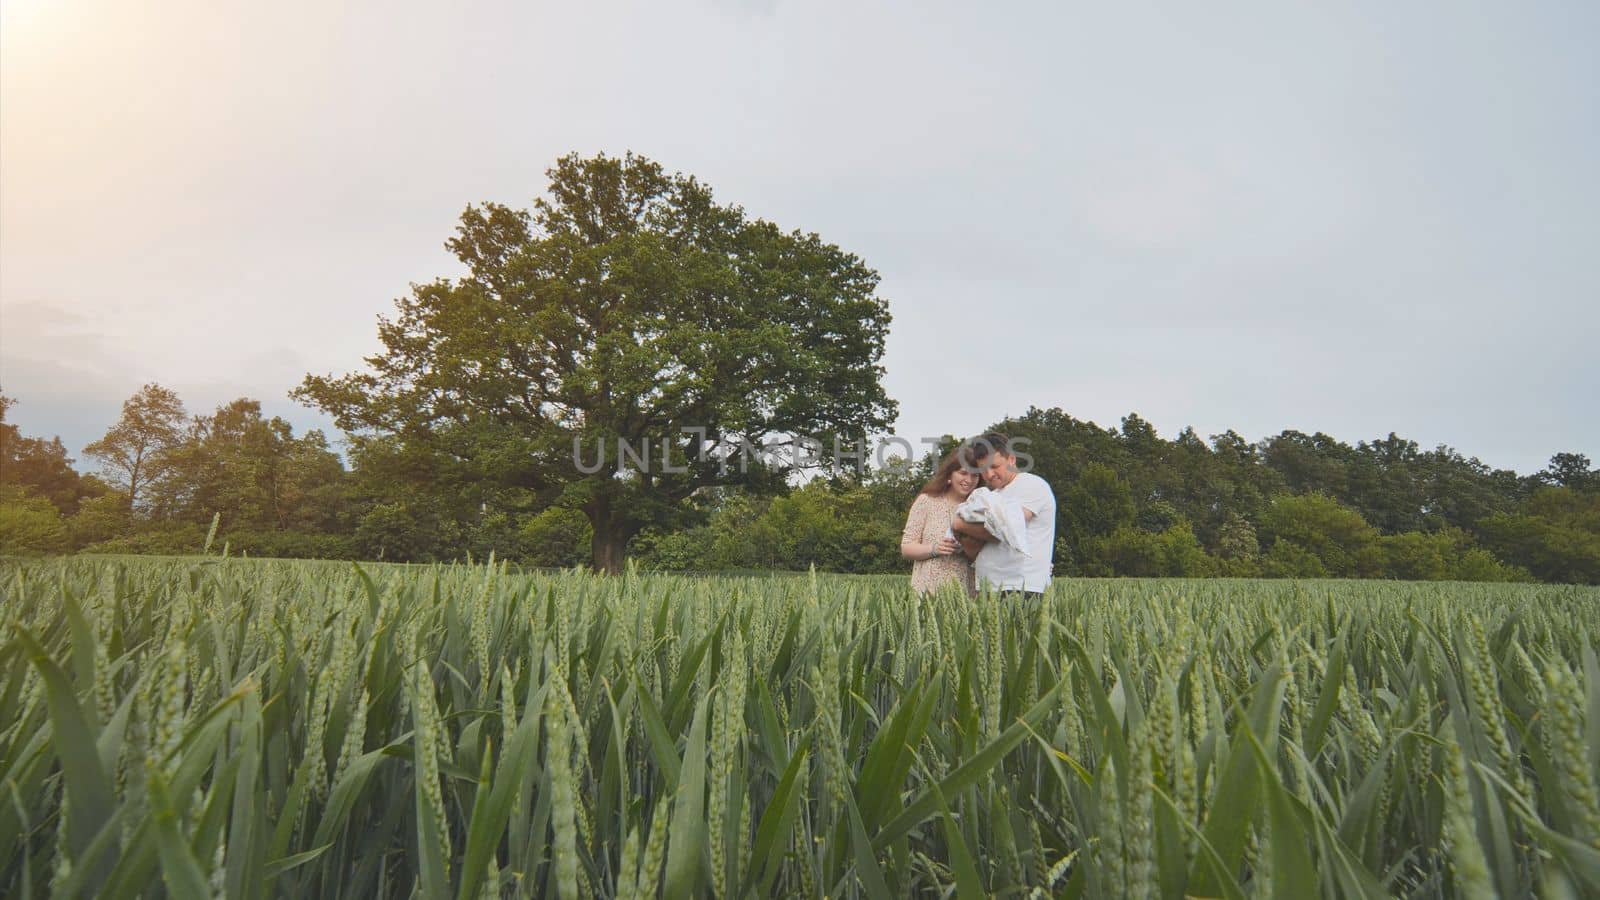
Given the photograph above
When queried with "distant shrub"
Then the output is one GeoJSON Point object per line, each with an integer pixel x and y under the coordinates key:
{"type": "Point", "coordinates": [30, 525]}
{"type": "Point", "coordinates": [288, 544]}
{"type": "Point", "coordinates": [169, 540]}
{"type": "Point", "coordinates": [555, 538]}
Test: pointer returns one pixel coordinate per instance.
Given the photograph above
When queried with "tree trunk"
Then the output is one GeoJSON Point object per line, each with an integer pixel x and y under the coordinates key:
{"type": "Point", "coordinates": [610, 550]}
{"type": "Point", "coordinates": [611, 534]}
{"type": "Point", "coordinates": [133, 482]}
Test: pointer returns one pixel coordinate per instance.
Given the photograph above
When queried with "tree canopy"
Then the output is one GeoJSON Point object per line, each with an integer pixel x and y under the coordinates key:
{"type": "Point", "coordinates": [627, 308]}
{"type": "Point", "coordinates": [41, 466]}
{"type": "Point", "coordinates": [133, 452]}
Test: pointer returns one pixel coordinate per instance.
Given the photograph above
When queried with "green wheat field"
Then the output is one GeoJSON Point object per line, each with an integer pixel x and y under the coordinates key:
{"type": "Point", "coordinates": [212, 727]}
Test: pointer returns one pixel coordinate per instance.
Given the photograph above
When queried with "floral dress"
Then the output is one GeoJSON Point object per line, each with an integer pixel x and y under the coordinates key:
{"type": "Point", "coordinates": [926, 524]}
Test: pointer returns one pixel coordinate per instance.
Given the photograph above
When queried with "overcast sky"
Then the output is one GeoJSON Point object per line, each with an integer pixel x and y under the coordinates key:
{"type": "Point", "coordinates": [1349, 217]}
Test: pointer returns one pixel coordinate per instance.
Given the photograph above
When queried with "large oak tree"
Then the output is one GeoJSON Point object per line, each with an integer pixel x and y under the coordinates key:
{"type": "Point", "coordinates": [628, 305]}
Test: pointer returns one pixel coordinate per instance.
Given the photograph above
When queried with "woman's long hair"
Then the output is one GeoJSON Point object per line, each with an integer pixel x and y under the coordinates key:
{"type": "Point", "coordinates": [940, 482]}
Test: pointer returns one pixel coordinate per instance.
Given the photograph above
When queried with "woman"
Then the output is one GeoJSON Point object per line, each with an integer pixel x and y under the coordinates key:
{"type": "Point", "coordinates": [938, 557]}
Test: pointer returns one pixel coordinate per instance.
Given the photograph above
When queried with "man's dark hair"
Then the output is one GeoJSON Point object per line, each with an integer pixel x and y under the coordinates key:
{"type": "Point", "coordinates": [975, 451]}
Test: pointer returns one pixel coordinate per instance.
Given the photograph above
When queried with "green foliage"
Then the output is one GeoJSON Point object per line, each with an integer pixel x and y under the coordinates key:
{"type": "Point", "coordinates": [1447, 555]}
{"type": "Point", "coordinates": [29, 525]}
{"type": "Point", "coordinates": [1175, 552]}
{"type": "Point", "coordinates": [1338, 537]}
{"type": "Point", "coordinates": [173, 539]}
{"type": "Point", "coordinates": [291, 544]}
{"type": "Point", "coordinates": [251, 469]}
{"type": "Point", "coordinates": [836, 528]}
{"type": "Point", "coordinates": [99, 518]}
{"type": "Point", "coordinates": [262, 728]}
{"type": "Point", "coordinates": [556, 538]}
{"type": "Point", "coordinates": [1556, 535]}
{"type": "Point", "coordinates": [1287, 559]}
{"type": "Point", "coordinates": [689, 550]}
{"type": "Point", "coordinates": [1572, 471]}
{"type": "Point", "coordinates": [1237, 541]}
{"type": "Point", "coordinates": [41, 467]}
{"type": "Point", "coordinates": [830, 529]}
{"type": "Point", "coordinates": [1478, 564]}
{"type": "Point", "coordinates": [401, 531]}
{"type": "Point", "coordinates": [1419, 556]}
{"type": "Point", "coordinates": [1095, 505]}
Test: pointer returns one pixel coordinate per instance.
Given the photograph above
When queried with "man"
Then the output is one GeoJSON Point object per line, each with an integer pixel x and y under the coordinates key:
{"type": "Point", "coordinates": [1003, 568]}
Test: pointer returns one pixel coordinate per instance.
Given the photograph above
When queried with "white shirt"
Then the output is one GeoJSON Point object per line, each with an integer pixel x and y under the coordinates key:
{"type": "Point", "coordinates": [1005, 569]}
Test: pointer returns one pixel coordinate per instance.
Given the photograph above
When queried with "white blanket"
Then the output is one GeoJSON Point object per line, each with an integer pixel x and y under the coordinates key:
{"type": "Point", "coordinates": [998, 516]}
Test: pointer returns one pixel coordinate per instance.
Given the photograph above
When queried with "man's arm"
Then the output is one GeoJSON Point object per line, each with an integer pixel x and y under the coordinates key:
{"type": "Point", "coordinates": [971, 529]}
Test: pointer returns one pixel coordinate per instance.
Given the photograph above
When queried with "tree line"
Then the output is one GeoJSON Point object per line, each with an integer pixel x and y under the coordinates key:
{"type": "Point", "coordinates": [1131, 503]}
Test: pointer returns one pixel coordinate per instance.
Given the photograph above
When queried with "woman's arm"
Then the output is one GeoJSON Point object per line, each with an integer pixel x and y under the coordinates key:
{"type": "Point", "coordinates": [911, 546]}
{"type": "Point", "coordinates": [911, 543]}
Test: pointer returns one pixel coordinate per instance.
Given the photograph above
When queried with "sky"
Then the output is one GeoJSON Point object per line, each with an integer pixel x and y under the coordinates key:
{"type": "Point", "coordinates": [1356, 218]}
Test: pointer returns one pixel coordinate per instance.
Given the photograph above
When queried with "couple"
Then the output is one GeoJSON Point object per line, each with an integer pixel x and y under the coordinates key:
{"type": "Point", "coordinates": [947, 535]}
